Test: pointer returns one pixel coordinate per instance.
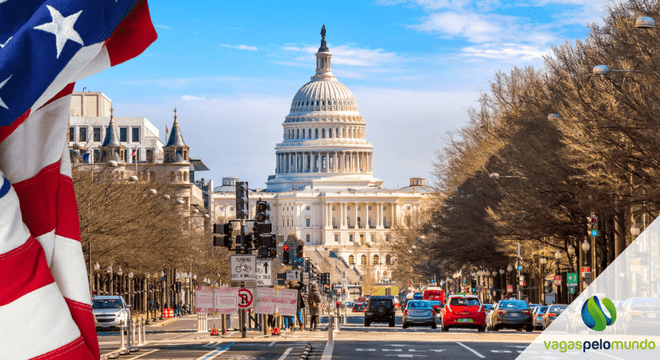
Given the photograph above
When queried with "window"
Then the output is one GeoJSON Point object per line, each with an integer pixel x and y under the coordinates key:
{"type": "Point", "coordinates": [298, 133]}
{"type": "Point", "coordinates": [333, 221]}
{"type": "Point", "coordinates": [136, 134]}
{"type": "Point", "coordinates": [287, 222]}
{"type": "Point", "coordinates": [97, 134]}
{"type": "Point", "coordinates": [307, 221]}
{"type": "Point", "coordinates": [336, 237]}
{"type": "Point", "coordinates": [358, 207]}
{"type": "Point", "coordinates": [330, 133]}
{"type": "Point", "coordinates": [303, 133]}
{"type": "Point", "coordinates": [282, 222]}
{"type": "Point", "coordinates": [376, 260]}
{"type": "Point", "coordinates": [388, 259]}
{"type": "Point", "coordinates": [369, 222]}
{"type": "Point", "coordinates": [123, 134]}
{"type": "Point", "coordinates": [384, 207]}
{"type": "Point", "coordinates": [363, 259]}
{"type": "Point", "coordinates": [350, 237]}
{"type": "Point", "coordinates": [351, 260]}
{"type": "Point", "coordinates": [323, 133]}
{"type": "Point", "coordinates": [307, 238]}
{"type": "Point", "coordinates": [369, 207]}
{"type": "Point", "coordinates": [82, 134]}
{"type": "Point", "coordinates": [359, 222]}
{"type": "Point", "coordinates": [348, 208]}
{"type": "Point", "coordinates": [333, 207]}
{"type": "Point", "coordinates": [97, 155]}
{"type": "Point", "coordinates": [307, 207]}
{"type": "Point", "coordinates": [72, 134]}
{"type": "Point", "coordinates": [310, 134]}
{"type": "Point", "coordinates": [384, 221]}
{"type": "Point", "coordinates": [387, 237]}
{"type": "Point", "coordinates": [348, 221]}
{"type": "Point", "coordinates": [373, 237]}
{"type": "Point", "coordinates": [316, 133]}
{"type": "Point", "coordinates": [150, 156]}
{"type": "Point", "coordinates": [231, 208]}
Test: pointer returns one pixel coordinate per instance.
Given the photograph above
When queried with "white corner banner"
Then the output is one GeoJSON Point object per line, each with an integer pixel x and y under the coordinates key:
{"type": "Point", "coordinates": [617, 316]}
{"type": "Point", "coordinates": [265, 300]}
{"type": "Point", "coordinates": [287, 301]}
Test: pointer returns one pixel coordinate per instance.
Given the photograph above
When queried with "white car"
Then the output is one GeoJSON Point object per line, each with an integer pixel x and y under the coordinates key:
{"type": "Point", "coordinates": [109, 311]}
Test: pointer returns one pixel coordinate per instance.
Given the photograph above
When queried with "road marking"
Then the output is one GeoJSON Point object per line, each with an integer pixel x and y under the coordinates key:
{"type": "Point", "coordinates": [285, 353]}
{"type": "Point", "coordinates": [141, 355]}
{"type": "Point", "coordinates": [392, 350]}
{"type": "Point", "coordinates": [211, 344]}
{"type": "Point", "coordinates": [327, 352]}
{"type": "Point", "coordinates": [214, 353]}
{"type": "Point", "coordinates": [271, 344]}
{"type": "Point", "coordinates": [501, 351]}
{"type": "Point", "coordinates": [365, 349]}
{"type": "Point", "coordinates": [474, 351]}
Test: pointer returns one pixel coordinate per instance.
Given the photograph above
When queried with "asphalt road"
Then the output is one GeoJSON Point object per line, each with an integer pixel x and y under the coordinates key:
{"type": "Point", "coordinates": [179, 339]}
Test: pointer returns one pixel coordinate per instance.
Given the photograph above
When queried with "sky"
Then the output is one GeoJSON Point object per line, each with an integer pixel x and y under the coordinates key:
{"type": "Point", "coordinates": [415, 68]}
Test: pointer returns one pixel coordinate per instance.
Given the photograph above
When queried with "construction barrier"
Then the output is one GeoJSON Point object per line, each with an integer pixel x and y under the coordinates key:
{"type": "Point", "coordinates": [202, 323]}
{"type": "Point", "coordinates": [168, 313]}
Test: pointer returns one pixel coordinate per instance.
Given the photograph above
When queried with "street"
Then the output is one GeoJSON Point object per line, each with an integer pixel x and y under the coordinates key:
{"type": "Point", "coordinates": [179, 339]}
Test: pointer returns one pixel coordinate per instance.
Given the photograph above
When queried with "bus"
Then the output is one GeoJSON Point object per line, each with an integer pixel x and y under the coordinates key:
{"type": "Point", "coordinates": [434, 293]}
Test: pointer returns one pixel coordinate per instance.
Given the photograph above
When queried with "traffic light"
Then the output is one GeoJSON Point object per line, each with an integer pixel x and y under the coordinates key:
{"type": "Point", "coordinates": [299, 255]}
{"type": "Point", "coordinates": [262, 212]}
{"type": "Point", "coordinates": [248, 243]}
{"type": "Point", "coordinates": [285, 255]}
{"type": "Point", "coordinates": [592, 225]}
{"type": "Point", "coordinates": [225, 240]}
{"type": "Point", "coordinates": [242, 200]}
{"type": "Point", "coordinates": [519, 264]}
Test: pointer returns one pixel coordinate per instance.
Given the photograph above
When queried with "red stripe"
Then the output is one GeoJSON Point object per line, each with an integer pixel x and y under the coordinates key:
{"type": "Point", "coordinates": [73, 350]}
{"type": "Point", "coordinates": [22, 271]}
{"type": "Point", "coordinates": [133, 35]}
{"type": "Point", "coordinates": [38, 196]}
{"type": "Point", "coordinates": [68, 222]}
{"type": "Point", "coordinates": [64, 92]}
{"type": "Point", "coordinates": [82, 315]}
{"type": "Point", "coordinates": [7, 130]}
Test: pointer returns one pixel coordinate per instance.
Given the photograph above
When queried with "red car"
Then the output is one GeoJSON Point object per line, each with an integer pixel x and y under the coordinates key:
{"type": "Point", "coordinates": [359, 307]}
{"type": "Point", "coordinates": [464, 311]}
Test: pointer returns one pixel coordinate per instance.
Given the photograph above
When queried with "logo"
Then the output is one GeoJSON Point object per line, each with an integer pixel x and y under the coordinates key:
{"type": "Point", "coordinates": [594, 316]}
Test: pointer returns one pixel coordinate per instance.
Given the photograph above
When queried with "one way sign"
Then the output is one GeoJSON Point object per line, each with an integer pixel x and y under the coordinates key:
{"type": "Point", "coordinates": [264, 271]}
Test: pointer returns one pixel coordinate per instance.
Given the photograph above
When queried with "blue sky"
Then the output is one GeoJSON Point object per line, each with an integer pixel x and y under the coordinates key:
{"type": "Point", "coordinates": [414, 67]}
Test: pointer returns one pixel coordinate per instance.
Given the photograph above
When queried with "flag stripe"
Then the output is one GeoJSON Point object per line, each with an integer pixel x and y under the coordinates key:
{"type": "Point", "coordinates": [38, 197]}
{"type": "Point", "coordinates": [73, 350]}
{"type": "Point", "coordinates": [83, 316]}
{"type": "Point", "coordinates": [36, 323]}
{"type": "Point", "coordinates": [9, 129]}
{"type": "Point", "coordinates": [13, 232]}
{"type": "Point", "coordinates": [68, 268]}
{"type": "Point", "coordinates": [23, 270]}
{"type": "Point", "coordinates": [133, 35]}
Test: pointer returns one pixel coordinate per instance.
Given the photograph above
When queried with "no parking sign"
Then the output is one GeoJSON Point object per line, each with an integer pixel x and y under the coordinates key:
{"type": "Point", "coordinates": [245, 299]}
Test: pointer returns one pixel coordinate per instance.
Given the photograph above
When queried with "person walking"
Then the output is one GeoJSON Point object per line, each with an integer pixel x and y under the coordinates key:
{"type": "Point", "coordinates": [300, 303]}
{"type": "Point", "coordinates": [314, 301]}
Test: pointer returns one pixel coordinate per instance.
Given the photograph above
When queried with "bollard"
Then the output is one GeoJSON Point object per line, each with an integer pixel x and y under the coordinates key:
{"type": "Point", "coordinates": [139, 331]}
{"type": "Point", "coordinates": [223, 322]}
{"type": "Point", "coordinates": [122, 327]}
{"type": "Point", "coordinates": [144, 333]}
{"type": "Point", "coordinates": [330, 328]}
{"type": "Point", "coordinates": [132, 337]}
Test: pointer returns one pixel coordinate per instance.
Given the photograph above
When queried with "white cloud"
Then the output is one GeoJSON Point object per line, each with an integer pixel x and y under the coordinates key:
{"type": "Point", "coordinates": [291, 48]}
{"type": "Point", "coordinates": [508, 52]}
{"type": "Point", "coordinates": [190, 97]}
{"type": "Point", "coordinates": [240, 47]}
{"type": "Point", "coordinates": [163, 27]}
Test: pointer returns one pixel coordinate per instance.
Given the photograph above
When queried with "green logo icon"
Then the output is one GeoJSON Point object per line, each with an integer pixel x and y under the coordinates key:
{"type": "Point", "coordinates": [594, 316]}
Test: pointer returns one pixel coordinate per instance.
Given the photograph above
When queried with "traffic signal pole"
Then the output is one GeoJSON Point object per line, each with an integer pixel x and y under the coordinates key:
{"type": "Point", "coordinates": [242, 311]}
{"type": "Point", "coordinates": [518, 269]}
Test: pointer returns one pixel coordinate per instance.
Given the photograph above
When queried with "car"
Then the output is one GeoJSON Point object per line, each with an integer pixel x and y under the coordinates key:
{"type": "Point", "coordinates": [552, 313]}
{"type": "Point", "coordinates": [348, 304]}
{"type": "Point", "coordinates": [513, 314]}
{"type": "Point", "coordinates": [537, 316]}
{"type": "Point", "coordinates": [437, 306]}
{"type": "Point", "coordinates": [638, 316]}
{"type": "Point", "coordinates": [380, 309]}
{"type": "Point", "coordinates": [359, 307]}
{"type": "Point", "coordinates": [109, 311]}
{"type": "Point", "coordinates": [464, 311]}
{"type": "Point", "coordinates": [419, 312]}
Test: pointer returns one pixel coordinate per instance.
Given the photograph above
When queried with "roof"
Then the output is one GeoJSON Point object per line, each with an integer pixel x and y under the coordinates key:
{"type": "Point", "coordinates": [111, 136]}
{"type": "Point", "coordinates": [423, 189]}
{"type": "Point", "coordinates": [176, 138]}
{"type": "Point", "coordinates": [198, 165]}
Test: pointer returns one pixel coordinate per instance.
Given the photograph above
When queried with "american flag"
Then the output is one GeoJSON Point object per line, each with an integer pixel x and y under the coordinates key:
{"type": "Point", "coordinates": [45, 46]}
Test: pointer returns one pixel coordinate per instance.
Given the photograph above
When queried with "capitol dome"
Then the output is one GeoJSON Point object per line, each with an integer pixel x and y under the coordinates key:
{"type": "Point", "coordinates": [324, 145]}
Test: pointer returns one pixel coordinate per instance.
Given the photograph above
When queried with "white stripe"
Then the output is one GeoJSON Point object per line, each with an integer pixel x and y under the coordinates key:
{"type": "Point", "coordinates": [35, 324]}
{"type": "Point", "coordinates": [65, 160]}
{"type": "Point", "coordinates": [474, 351]}
{"type": "Point", "coordinates": [36, 143]}
{"type": "Point", "coordinates": [68, 268]}
{"type": "Point", "coordinates": [77, 65]}
{"type": "Point", "coordinates": [13, 232]}
{"type": "Point", "coordinates": [327, 352]}
{"type": "Point", "coordinates": [98, 64]}
{"type": "Point", "coordinates": [285, 353]}
{"type": "Point", "coordinates": [47, 241]}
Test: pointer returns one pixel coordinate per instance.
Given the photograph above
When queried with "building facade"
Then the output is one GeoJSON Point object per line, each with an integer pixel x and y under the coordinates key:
{"type": "Point", "coordinates": [323, 191]}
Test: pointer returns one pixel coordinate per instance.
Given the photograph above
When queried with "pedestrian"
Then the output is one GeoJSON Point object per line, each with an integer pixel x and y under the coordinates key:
{"type": "Point", "coordinates": [300, 303]}
{"type": "Point", "coordinates": [314, 301]}
{"type": "Point", "coordinates": [176, 310]}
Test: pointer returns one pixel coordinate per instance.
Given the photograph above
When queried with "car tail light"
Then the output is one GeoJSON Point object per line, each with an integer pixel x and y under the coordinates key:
{"type": "Point", "coordinates": [405, 312]}
{"type": "Point", "coordinates": [353, 309]}
{"type": "Point", "coordinates": [552, 314]}
{"type": "Point", "coordinates": [526, 312]}
{"type": "Point", "coordinates": [500, 312]}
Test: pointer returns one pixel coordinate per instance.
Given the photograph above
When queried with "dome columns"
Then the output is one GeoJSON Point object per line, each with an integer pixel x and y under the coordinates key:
{"type": "Point", "coordinates": [331, 161]}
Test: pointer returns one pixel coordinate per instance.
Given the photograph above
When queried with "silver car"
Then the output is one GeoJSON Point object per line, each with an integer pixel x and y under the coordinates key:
{"type": "Point", "coordinates": [419, 312]}
{"type": "Point", "coordinates": [109, 311]}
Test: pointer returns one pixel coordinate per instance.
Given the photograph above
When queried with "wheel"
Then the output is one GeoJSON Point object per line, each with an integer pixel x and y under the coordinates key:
{"type": "Point", "coordinates": [405, 326]}
{"type": "Point", "coordinates": [529, 328]}
{"type": "Point", "coordinates": [444, 327]}
{"type": "Point", "coordinates": [518, 329]}
{"type": "Point", "coordinates": [495, 328]}
{"type": "Point", "coordinates": [434, 326]}
{"type": "Point", "coordinates": [367, 323]}
{"type": "Point", "coordinates": [392, 323]}
{"type": "Point", "coordinates": [481, 329]}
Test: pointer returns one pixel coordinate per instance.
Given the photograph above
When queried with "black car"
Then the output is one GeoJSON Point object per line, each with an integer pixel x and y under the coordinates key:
{"type": "Point", "coordinates": [380, 309]}
{"type": "Point", "coordinates": [511, 314]}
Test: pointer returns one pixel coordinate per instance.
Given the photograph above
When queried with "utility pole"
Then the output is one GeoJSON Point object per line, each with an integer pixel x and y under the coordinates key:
{"type": "Point", "coordinates": [518, 267]}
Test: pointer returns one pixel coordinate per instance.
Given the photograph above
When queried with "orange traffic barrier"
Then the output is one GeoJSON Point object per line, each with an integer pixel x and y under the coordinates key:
{"type": "Point", "coordinates": [276, 331]}
{"type": "Point", "coordinates": [214, 332]}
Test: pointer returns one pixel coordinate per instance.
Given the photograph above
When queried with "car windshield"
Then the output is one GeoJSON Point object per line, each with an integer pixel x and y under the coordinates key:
{"type": "Point", "coordinates": [542, 310]}
{"type": "Point", "coordinates": [385, 302]}
{"type": "Point", "coordinates": [645, 302]}
{"type": "Point", "coordinates": [512, 305]}
{"type": "Point", "coordinates": [557, 309]}
{"type": "Point", "coordinates": [488, 306]}
{"type": "Point", "coordinates": [419, 305]}
{"type": "Point", "coordinates": [106, 304]}
{"type": "Point", "coordinates": [464, 301]}
{"type": "Point", "coordinates": [432, 294]}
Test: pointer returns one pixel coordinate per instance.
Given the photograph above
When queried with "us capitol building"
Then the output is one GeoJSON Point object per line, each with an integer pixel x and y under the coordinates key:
{"type": "Point", "coordinates": [324, 191]}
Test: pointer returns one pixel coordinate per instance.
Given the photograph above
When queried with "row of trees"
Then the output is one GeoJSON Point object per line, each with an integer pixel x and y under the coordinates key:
{"type": "Point", "coordinates": [139, 226]}
{"type": "Point", "coordinates": [544, 150]}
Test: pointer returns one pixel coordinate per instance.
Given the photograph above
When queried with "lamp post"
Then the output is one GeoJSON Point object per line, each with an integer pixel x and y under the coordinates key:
{"type": "Point", "coordinates": [146, 298]}
{"type": "Point", "coordinates": [503, 283]}
{"type": "Point", "coordinates": [130, 289]}
{"type": "Point", "coordinates": [542, 261]}
{"type": "Point", "coordinates": [558, 272]}
{"type": "Point", "coordinates": [509, 270]}
{"type": "Point", "coordinates": [163, 293]}
{"type": "Point", "coordinates": [98, 279]}
{"type": "Point", "coordinates": [110, 284]}
{"type": "Point", "coordinates": [120, 283]}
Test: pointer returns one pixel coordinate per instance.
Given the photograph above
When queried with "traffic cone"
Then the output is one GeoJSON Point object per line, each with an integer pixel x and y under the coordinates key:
{"type": "Point", "coordinates": [214, 332]}
{"type": "Point", "coordinates": [276, 331]}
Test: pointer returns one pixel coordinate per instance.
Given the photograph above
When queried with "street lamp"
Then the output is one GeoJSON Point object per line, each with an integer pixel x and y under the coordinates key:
{"type": "Point", "coordinates": [542, 261]}
{"type": "Point", "coordinates": [635, 230]}
{"type": "Point", "coordinates": [558, 258]}
{"type": "Point", "coordinates": [97, 278]}
{"type": "Point", "coordinates": [645, 22]}
{"type": "Point", "coordinates": [110, 288]}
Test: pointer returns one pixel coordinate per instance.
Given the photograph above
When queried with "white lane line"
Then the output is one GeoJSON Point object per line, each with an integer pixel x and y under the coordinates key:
{"type": "Point", "coordinates": [476, 353]}
{"type": "Point", "coordinates": [327, 352]}
{"type": "Point", "coordinates": [147, 353]}
{"type": "Point", "coordinates": [214, 353]}
{"type": "Point", "coordinates": [271, 344]}
{"type": "Point", "coordinates": [285, 353]}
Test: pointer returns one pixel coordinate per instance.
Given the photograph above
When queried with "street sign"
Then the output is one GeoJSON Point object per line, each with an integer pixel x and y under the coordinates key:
{"type": "Point", "coordinates": [264, 272]}
{"type": "Point", "coordinates": [571, 279]}
{"type": "Point", "coordinates": [585, 269]}
{"type": "Point", "coordinates": [243, 267]}
{"type": "Point", "coordinates": [587, 278]}
{"type": "Point", "coordinates": [293, 275]}
{"type": "Point", "coordinates": [571, 290]}
{"type": "Point", "coordinates": [509, 288]}
{"type": "Point", "coordinates": [204, 299]}
{"type": "Point", "coordinates": [557, 280]}
{"type": "Point", "coordinates": [286, 302]}
{"type": "Point", "coordinates": [245, 298]}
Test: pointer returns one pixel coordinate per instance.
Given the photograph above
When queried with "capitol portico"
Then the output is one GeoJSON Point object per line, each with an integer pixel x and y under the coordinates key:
{"type": "Point", "coordinates": [323, 190]}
